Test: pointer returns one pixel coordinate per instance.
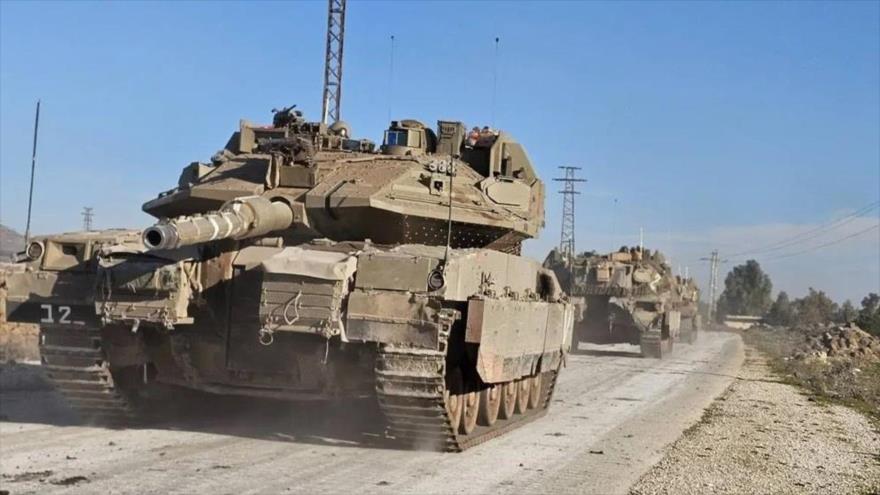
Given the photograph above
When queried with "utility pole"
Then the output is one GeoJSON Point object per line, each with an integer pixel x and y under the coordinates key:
{"type": "Point", "coordinates": [566, 241]}
{"type": "Point", "coordinates": [714, 261]}
{"type": "Point", "coordinates": [333, 61]}
{"type": "Point", "coordinates": [87, 214]}
{"type": "Point", "coordinates": [27, 229]}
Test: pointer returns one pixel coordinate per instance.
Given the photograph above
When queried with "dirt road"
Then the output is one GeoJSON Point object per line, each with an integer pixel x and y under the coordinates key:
{"type": "Point", "coordinates": [612, 415]}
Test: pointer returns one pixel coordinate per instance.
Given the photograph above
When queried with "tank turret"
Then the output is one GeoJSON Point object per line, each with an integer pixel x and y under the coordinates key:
{"type": "Point", "coordinates": [348, 191]}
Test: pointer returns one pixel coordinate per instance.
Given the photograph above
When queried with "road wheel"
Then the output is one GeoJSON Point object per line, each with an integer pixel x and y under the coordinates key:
{"type": "Point", "coordinates": [471, 409]}
{"type": "Point", "coordinates": [490, 403]}
{"type": "Point", "coordinates": [522, 395]}
{"type": "Point", "coordinates": [508, 400]}
{"type": "Point", "coordinates": [534, 391]}
{"type": "Point", "coordinates": [452, 398]}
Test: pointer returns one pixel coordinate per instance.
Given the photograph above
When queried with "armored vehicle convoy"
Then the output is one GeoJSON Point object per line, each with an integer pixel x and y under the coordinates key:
{"type": "Point", "coordinates": [629, 296]}
{"type": "Point", "coordinates": [300, 263]}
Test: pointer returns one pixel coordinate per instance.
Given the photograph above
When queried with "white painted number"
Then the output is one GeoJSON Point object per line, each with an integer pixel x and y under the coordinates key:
{"type": "Point", "coordinates": [63, 311]}
{"type": "Point", "coordinates": [65, 314]}
{"type": "Point", "coordinates": [48, 318]}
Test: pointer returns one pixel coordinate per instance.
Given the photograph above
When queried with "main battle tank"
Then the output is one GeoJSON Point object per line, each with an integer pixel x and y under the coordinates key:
{"type": "Point", "coordinates": [300, 263]}
{"type": "Point", "coordinates": [687, 301]}
{"type": "Point", "coordinates": [629, 296]}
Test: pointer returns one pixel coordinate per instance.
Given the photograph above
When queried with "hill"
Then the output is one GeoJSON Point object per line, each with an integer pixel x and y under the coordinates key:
{"type": "Point", "coordinates": [11, 242]}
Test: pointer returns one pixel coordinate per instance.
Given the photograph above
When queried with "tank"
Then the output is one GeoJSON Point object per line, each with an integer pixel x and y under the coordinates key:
{"type": "Point", "coordinates": [300, 263]}
{"type": "Point", "coordinates": [629, 296]}
{"type": "Point", "coordinates": [688, 304]}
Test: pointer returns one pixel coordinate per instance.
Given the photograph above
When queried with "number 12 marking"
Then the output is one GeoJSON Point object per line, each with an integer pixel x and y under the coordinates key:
{"type": "Point", "coordinates": [63, 313]}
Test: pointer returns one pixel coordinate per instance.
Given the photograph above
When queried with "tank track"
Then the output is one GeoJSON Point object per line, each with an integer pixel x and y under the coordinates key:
{"type": "Point", "coordinates": [688, 334]}
{"type": "Point", "coordinates": [653, 345]}
{"type": "Point", "coordinates": [411, 385]}
{"type": "Point", "coordinates": [76, 365]}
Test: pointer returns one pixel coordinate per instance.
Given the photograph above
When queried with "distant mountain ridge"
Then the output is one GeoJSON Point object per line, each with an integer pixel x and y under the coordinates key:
{"type": "Point", "coordinates": [11, 242]}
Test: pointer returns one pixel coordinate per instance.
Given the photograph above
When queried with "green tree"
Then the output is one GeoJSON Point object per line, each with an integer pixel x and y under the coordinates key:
{"type": "Point", "coordinates": [781, 311]}
{"type": "Point", "coordinates": [869, 315]}
{"type": "Point", "coordinates": [816, 308]}
{"type": "Point", "coordinates": [746, 291]}
{"type": "Point", "coordinates": [847, 312]}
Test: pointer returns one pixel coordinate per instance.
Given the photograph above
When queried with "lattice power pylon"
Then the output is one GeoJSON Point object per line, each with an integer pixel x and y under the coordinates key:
{"type": "Point", "coordinates": [88, 215]}
{"type": "Point", "coordinates": [333, 61]}
{"type": "Point", "coordinates": [714, 260]}
{"type": "Point", "coordinates": [566, 242]}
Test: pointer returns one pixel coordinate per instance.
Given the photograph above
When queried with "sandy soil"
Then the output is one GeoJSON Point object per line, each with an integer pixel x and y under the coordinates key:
{"type": "Point", "coordinates": [612, 416]}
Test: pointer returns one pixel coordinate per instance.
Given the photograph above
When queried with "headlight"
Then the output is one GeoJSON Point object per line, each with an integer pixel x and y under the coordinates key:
{"type": "Point", "coordinates": [35, 250]}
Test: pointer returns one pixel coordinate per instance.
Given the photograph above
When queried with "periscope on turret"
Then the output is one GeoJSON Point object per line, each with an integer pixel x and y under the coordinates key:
{"type": "Point", "coordinates": [302, 263]}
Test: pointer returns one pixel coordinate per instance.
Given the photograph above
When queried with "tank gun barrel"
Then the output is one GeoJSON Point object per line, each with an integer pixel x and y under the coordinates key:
{"type": "Point", "coordinates": [239, 218]}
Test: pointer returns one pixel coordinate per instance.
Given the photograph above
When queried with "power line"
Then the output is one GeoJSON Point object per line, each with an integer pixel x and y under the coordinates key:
{"type": "Point", "coordinates": [801, 240]}
{"type": "Point", "coordinates": [809, 234]}
{"type": "Point", "coordinates": [821, 229]}
{"type": "Point", "coordinates": [836, 241]}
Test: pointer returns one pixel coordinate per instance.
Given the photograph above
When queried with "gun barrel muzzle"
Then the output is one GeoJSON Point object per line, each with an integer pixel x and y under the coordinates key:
{"type": "Point", "coordinates": [237, 219]}
{"type": "Point", "coordinates": [160, 236]}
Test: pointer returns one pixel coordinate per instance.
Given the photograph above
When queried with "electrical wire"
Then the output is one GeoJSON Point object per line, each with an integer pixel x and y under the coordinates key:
{"type": "Point", "coordinates": [836, 241]}
{"type": "Point", "coordinates": [809, 234]}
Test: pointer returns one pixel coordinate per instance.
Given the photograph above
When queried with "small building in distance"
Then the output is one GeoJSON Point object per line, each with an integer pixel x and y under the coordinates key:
{"type": "Point", "coordinates": [741, 322]}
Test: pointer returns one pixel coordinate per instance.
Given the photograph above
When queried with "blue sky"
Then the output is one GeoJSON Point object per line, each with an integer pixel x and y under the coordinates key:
{"type": "Point", "coordinates": [728, 125]}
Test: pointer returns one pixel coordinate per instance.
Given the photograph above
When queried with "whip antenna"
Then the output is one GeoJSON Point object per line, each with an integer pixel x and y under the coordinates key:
{"type": "Point", "coordinates": [614, 224]}
{"type": "Point", "coordinates": [27, 229]}
{"type": "Point", "coordinates": [390, 77]}
{"type": "Point", "coordinates": [451, 172]}
{"type": "Point", "coordinates": [494, 81]}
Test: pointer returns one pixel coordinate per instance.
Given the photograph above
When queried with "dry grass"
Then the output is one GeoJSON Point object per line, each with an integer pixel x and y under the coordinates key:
{"type": "Point", "coordinates": [855, 383]}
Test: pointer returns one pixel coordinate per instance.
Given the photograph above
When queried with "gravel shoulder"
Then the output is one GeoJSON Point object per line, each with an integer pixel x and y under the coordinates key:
{"type": "Point", "coordinates": [765, 436]}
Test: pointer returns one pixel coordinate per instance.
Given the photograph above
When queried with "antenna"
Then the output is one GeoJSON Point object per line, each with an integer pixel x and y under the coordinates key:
{"type": "Point", "coordinates": [333, 61]}
{"type": "Point", "coordinates": [566, 241]}
{"type": "Point", "coordinates": [451, 172]}
{"type": "Point", "coordinates": [87, 214]}
{"type": "Point", "coordinates": [27, 229]}
{"type": "Point", "coordinates": [390, 77]}
{"type": "Point", "coordinates": [613, 223]}
{"type": "Point", "coordinates": [494, 81]}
